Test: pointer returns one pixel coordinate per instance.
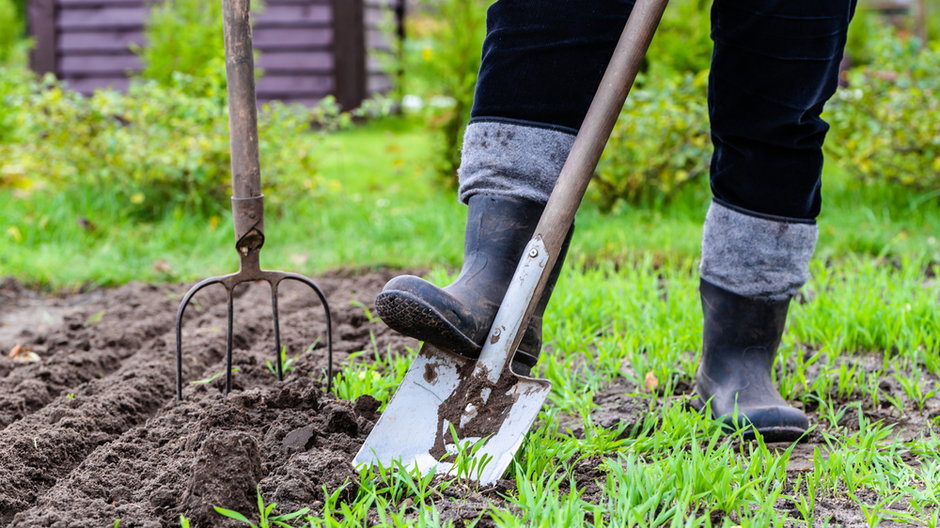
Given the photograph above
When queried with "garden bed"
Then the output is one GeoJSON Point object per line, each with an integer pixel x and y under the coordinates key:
{"type": "Point", "coordinates": [93, 433]}
{"type": "Point", "coordinates": [93, 430]}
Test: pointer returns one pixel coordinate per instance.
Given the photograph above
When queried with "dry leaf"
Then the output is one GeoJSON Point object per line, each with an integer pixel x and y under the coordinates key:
{"type": "Point", "coordinates": [27, 357]}
{"type": "Point", "coordinates": [162, 266]}
{"type": "Point", "coordinates": [22, 354]}
{"type": "Point", "coordinates": [651, 381]}
{"type": "Point", "coordinates": [86, 224]}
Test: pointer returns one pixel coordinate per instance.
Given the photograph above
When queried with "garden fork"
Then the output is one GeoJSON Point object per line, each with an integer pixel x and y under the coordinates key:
{"type": "Point", "coordinates": [247, 200]}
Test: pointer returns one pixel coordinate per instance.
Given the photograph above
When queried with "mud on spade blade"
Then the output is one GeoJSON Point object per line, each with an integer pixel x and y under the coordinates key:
{"type": "Point", "coordinates": [437, 390]}
{"type": "Point", "coordinates": [445, 395]}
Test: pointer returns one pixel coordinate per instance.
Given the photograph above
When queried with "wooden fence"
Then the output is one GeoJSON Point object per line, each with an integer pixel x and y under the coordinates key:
{"type": "Point", "coordinates": [308, 48]}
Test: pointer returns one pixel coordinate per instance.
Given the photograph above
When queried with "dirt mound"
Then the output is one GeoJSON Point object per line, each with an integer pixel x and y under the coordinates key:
{"type": "Point", "coordinates": [93, 431]}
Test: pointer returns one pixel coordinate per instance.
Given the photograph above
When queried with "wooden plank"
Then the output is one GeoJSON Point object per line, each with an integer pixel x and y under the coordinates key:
{"type": "Point", "coordinates": [98, 3]}
{"type": "Point", "coordinates": [310, 37]}
{"type": "Point", "coordinates": [294, 85]}
{"type": "Point", "coordinates": [103, 17]}
{"type": "Point", "coordinates": [88, 85]}
{"type": "Point", "coordinates": [379, 83]}
{"type": "Point", "coordinates": [86, 3]}
{"type": "Point", "coordinates": [377, 40]}
{"type": "Point", "coordinates": [99, 41]}
{"type": "Point", "coordinates": [376, 17]}
{"type": "Point", "coordinates": [306, 101]}
{"type": "Point", "coordinates": [296, 61]}
{"type": "Point", "coordinates": [296, 2]}
{"type": "Point", "coordinates": [41, 16]}
{"type": "Point", "coordinates": [85, 65]}
{"type": "Point", "coordinates": [374, 65]}
{"type": "Point", "coordinates": [349, 48]}
{"type": "Point", "coordinates": [292, 14]}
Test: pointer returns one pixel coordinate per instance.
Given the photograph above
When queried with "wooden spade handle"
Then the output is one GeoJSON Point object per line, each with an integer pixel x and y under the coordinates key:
{"type": "Point", "coordinates": [565, 199]}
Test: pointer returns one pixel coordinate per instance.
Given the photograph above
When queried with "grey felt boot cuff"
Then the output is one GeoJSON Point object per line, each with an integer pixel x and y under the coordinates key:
{"type": "Point", "coordinates": [756, 256]}
{"type": "Point", "coordinates": [512, 160]}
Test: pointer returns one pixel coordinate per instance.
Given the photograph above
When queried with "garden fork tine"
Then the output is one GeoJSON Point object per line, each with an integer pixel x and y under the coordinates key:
{"type": "Point", "coordinates": [247, 200]}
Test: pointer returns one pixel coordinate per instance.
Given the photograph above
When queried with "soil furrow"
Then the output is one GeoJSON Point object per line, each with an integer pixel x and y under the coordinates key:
{"type": "Point", "coordinates": [208, 451]}
{"type": "Point", "coordinates": [55, 447]}
{"type": "Point", "coordinates": [49, 443]}
{"type": "Point", "coordinates": [75, 352]}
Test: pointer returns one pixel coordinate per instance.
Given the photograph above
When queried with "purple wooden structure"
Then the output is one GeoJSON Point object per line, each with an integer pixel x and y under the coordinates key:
{"type": "Point", "coordinates": [309, 48]}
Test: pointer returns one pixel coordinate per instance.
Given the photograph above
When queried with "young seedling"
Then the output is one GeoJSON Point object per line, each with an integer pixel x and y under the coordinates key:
{"type": "Point", "coordinates": [213, 377]}
{"type": "Point", "coordinates": [266, 518]}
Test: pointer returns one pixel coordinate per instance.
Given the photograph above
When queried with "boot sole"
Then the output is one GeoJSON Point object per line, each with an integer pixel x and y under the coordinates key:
{"type": "Point", "coordinates": [410, 315]}
{"type": "Point", "coordinates": [770, 433]}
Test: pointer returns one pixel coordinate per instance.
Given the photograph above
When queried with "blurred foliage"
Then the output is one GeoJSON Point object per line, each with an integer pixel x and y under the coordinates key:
{"type": "Point", "coordinates": [682, 43]}
{"type": "Point", "coordinates": [859, 46]}
{"type": "Point", "coordinates": [441, 60]}
{"type": "Point", "coordinates": [11, 22]}
{"type": "Point", "coordinates": [885, 125]}
{"type": "Point", "coordinates": [164, 144]}
{"type": "Point", "coordinates": [151, 150]}
{"type": "Point", "coordinates": [185, 37]}
{"type": "Point", "coordinates": [660, 142]}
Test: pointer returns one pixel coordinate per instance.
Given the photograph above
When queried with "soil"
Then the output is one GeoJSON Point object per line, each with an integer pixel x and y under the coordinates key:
{"type": "Point", "coordinates": [92, 431]}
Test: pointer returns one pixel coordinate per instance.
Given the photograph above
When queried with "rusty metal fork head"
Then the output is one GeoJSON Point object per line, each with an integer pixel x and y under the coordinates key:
{"type": "Point", "coordinates": [247, 200]}
{"type": "Point", "coordinates": [248, 215]}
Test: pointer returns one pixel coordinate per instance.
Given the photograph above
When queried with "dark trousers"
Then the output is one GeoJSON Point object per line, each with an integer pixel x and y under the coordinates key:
{"type": "Point", "coordinates": [775, 64]}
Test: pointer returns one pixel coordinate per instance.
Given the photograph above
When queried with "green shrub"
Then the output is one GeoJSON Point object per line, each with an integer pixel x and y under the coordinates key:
{"type": "Point", "coordinates": [859, 46]}
{"type": "Point", "coordinates": [185, 36]}
{"type": "Point", "coordinates": [11, 22]}
{"type": "Point", "coordinates": [152, 150]}
{"type": "Point", "coordinates": [885, 126]}
{"type": "Point", "coordinates": [682, 43]}
{"type": "Point", "coordinates": [442, 59]}
{"type": "Point", "coordinates": [660, 142]}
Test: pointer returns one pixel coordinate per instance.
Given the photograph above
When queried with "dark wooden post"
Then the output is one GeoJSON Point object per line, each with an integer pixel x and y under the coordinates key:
{"type": "Point", "coordinates": [41, 21]}
{"type": "Point", "coordinates": [401, 33]}
{"type": "Point", "coordinates": [349, 53]}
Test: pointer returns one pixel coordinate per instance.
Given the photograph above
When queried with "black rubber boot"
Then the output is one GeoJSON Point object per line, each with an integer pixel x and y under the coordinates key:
{"type": "Point", "coordinates": [740, 340]}
{"type": "Point", "coordinates": [458, 317]}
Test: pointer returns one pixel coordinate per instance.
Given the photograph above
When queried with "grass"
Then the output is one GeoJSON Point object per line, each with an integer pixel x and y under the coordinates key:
{"type": "Point", "coordinates": [861, 351]}
{"type": "Point", "coordinates": [384, 208]}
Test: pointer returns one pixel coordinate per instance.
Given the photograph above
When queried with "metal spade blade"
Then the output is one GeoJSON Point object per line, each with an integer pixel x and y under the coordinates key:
{"type": "Point", "coordinates": [431, 405]}
{"type": "Point", "coordinates": [447, 400]}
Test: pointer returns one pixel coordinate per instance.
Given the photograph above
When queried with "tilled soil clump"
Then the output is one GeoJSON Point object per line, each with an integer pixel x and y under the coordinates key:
{"type": "Point", "coordinates": [93, 432]}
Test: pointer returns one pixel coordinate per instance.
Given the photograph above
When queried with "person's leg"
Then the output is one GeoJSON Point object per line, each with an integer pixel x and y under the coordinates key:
{"type": "Point", "coordinates": [542, 63]}
{"type": "Point", "coordinates": [774, 66]}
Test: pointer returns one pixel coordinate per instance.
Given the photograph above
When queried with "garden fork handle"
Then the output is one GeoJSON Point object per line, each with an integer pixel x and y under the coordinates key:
{"type": "Point", "coordinates": [247, 200]}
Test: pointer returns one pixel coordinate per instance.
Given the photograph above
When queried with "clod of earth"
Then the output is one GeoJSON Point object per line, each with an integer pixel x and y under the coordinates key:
{"type": "Point", "coordinates": [96, 433]}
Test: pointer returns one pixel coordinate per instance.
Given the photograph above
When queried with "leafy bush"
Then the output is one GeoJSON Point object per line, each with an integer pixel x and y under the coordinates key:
{"type": "Point", "coordinates": [442, 58]}
{"type": "Point", "coordinates": [660, 142]}
{"type": "Point", "coordinates": [200, 54]}
{"type": "Point", "coordinates": [682, 43]}
{"type": "Point", "coordinates": [884, 126]}
{"type": "Point", "coordinates": [151, 150]}
{"type": "Point", "coordinates": [11, 23]}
